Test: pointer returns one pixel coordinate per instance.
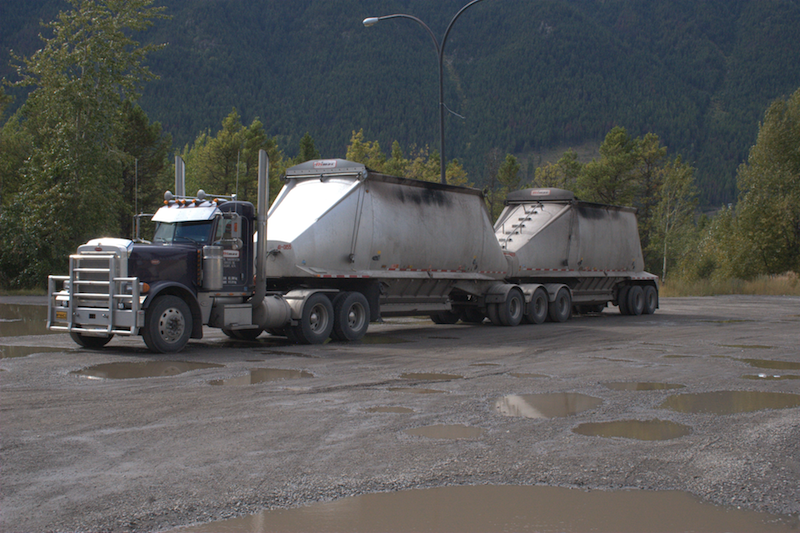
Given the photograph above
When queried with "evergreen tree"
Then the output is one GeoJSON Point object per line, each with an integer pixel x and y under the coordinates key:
{"type": "Point", "coordinates": [307, 150]}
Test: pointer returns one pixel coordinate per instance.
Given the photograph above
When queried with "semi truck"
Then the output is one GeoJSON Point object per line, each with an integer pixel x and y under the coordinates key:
{"type": "Point", "coordinates": [343, 246]}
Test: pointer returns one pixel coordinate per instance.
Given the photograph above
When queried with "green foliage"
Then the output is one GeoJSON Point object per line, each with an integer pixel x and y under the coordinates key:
{"type": "Point", "coordinates": [227, 163]}
{"type": "Point", "coordinates": [768, 211]}
{"type": "Point", "coordinates": [71, 123]}
{"type": "Point", "coordinates": [307, 150]}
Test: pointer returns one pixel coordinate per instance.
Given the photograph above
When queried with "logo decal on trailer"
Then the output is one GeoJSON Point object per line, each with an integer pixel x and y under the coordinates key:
{"type": "Point", "coordinates": [231, 254]}
{"type": "Point", "coordinates": [327, 163]}
{"type": "Point", "coordinates": [540, 192]}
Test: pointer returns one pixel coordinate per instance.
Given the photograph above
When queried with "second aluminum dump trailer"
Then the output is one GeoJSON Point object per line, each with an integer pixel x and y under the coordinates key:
{"type": "Point", "coordinates": [577, 255]}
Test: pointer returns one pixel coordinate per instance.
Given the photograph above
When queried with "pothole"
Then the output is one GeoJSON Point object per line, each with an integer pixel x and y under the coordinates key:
{"type": "Point", "coordinates": [545, 405]}
{"type": "Point", "coordinates": [144, 369]}
{"type": "Point", "coordinates": [444, 431]}
{"type": "Point", "coordinates": [635, 429]}
{"type": "Point", "coordinates": [641, 386]}
{"type": "Point", "coordinates": [263, 375]}
{"type": "Point", "coordinates": [730, 402]}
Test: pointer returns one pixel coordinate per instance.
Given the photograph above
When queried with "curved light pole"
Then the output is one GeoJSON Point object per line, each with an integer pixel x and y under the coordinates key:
{"type": "Point", "coordinates": [371, 21]}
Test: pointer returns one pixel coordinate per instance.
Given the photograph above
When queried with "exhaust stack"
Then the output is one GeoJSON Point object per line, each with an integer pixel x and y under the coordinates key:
{"type": "Point", "coordinates": [261, 224]}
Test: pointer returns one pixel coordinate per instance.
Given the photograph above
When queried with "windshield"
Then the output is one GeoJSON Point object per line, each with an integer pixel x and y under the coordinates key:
{"type": "Point", "coordinates": [185, 232]}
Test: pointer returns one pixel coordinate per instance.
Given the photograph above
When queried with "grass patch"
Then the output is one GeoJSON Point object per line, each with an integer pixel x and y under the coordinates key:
{"type": "Point", "coordinates": [783, 285]}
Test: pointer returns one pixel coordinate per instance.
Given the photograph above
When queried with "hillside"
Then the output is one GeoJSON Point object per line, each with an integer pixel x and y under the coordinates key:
{"type": "Point", "coordinates": [526, 75]}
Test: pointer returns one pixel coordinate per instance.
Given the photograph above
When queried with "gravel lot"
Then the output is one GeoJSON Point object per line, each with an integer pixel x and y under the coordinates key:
{"type": "Point", "coordinates": [86, 453]}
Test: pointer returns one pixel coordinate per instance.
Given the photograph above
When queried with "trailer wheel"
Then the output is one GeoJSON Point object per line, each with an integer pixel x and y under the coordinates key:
{"type": "Point", "coordinates": [511, 311]}
{"type": "Point", "coordinates": [622, 300]}
{"type": "Point", "coordinates": [94, 343]}
{"type": "Point", "coordinates": [538, 307]}
{"type": "Point", "coordinates": [445, 317]}
{"type": "Point", "coordinates": [561, 308]}
{"type": "Point", "coordinates": [350, 316]}
{"type": "Point", "coordinates": [168, 325]}
{"type": "Point", "coordinates": [650, 300]}
{"type": "Point", "coordinates": [635, 300]}
{"type": "Point", "coordinates": [316, 322]}
{"type": "Point", "coordinates": [473, 315]}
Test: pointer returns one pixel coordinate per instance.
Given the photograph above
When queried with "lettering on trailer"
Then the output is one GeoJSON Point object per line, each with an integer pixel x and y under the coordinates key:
{"type": "Point", "coordinates": [540, 192]}
{"type": "Point", "coordinates": [327, 163]}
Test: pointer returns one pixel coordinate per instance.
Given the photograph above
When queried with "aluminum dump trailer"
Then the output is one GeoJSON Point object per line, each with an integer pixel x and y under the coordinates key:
{"type": "Point", "coordinates": [406, 245]}
{"type": "Point", "coordinates": [589, 252]}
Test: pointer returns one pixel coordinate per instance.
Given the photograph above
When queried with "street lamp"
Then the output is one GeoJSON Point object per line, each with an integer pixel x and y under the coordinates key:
{"type": "Point", "coordinates": [371, 21]}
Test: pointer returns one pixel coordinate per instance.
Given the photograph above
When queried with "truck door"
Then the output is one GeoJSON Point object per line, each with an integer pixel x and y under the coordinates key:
{"type": "Point", "coordinates": [234, 258]}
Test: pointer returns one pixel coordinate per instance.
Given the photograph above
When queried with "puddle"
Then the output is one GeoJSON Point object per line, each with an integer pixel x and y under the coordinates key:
{"type": "Point", "coordinates": [145, 369]}
{"type": "Point", "coordinates": [443, 431]}
{"type": "Point", "coordinates": [634, 386]}
{"type": "Point", "coordinates": [770, 364]}
{"type": "Point", "coordinates": [635, 429]}
{"type": "Point", "coordinates": [430, 377]}
{"type": "Point", "coordinates": [730, 402]}
{"type": "Point", "coordinates": [17, 320]}
{"type": "Point", "coordinates": [263, 375]}
{"type": "Point", "coordinates": [524, 375]}
{"type": "Point", "coordinates": [545, 405]}
{"type": "Point", "coordinates": [22, 351]}
{"type": "Point", "coordinates": [747, 346]}
{"type": "Point", "coordinates": [414, 390]}
{"type": "Point", "coordinates": [398, 410]}
{"type": "Point", "coordinates": [771, 377]}
{"type": "Point", "coordinates": [507, 508]}
{"type": "Point", "coordinates": [381, 339]}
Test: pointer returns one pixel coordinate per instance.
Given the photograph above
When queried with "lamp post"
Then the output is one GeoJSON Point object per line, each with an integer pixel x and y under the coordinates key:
{"type": "Point", "coordinates": [371, 21]}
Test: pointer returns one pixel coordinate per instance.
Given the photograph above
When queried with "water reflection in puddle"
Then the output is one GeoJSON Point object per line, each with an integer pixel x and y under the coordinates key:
{"type": "Point", "coordinates": [444, 431]}
{"type": "Point", "coordinates": [414, 390]}
{"type": "Point", "coordinates": [388, 409]}
{"type": "Point", "coordinates": [545, 405]}
{"type": "Point", "coordinates": [18, 320]}
{"type": "Point", "coordinates": [144, 369]}
{"type": "Point", "coordinates": [770, 364]}
{"type": "Point", "coordinates": [430, 377]}
{"type": "Point", "coordinates": [635, 429]}
{"type": "Point", "coordinates": [771, 377]}
{"type": "Point", "coordinates": [507, 508]}
{"type": "Point", "coordinates": [730, 402]}
{"type": "Point", "coordinates": [23, 351]}
{"type": "Point", "coordinates": [262, 375]}
{"type": "Point", "coordinates": [634, 386]}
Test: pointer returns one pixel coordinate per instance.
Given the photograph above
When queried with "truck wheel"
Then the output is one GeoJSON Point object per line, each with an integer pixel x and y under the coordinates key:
{"type": "Point", "coordinates": [538, 307]}
{"type": "Point", "coordinates": [622, 300]}
{"type": "Point", "coordinates": [350, 316]}
{"type": "Point", "coordinates": [316, 323]}
{"type": "Point", "coordinates": [87, 341]}
{"type": "Point", "coordinates": [510, 312]}
{"type": "Point", "coordinates": [561, 308]}
{"type": "Point", "coordinates": [167, 325]}
{"type": "Point", "coordinates": [635, 300]}
{"type": "Point", "coordinates": [650, 300]}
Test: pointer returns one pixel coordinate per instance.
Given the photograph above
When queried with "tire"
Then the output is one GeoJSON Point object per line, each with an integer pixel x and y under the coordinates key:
{"type": "Point", "coordinates": [635, 300]}
{"type": "Point", "coordinates": [86, 341]}
{"type": "Point", "coordinates": [472, 315]}
{"type": "Point", "coordinates": [622, 300]}
{"type": "Point", "coordinates": [650, 300]}
{"type": "Point", "coordinates": [493, 314]}
{"type": "Point", "coordinates": [167, 325]}
{"type": "Point", "coordinates": [316, 322]}
{"type": "Point", "coordinates": [561, 308]}
{"type": "Point", "coordinates": [350, 316]}
{"type": "Point", "coordinates": [511, 311]}
{"type": "Point", "coordinates": [247, 334]}
{"type": "Point", "coordinates": [538, 307]}
{"type": "Point", "coordinates": [445, 317]}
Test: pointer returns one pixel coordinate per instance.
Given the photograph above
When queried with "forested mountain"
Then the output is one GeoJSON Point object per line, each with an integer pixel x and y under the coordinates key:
{"type": "Point", "coordinates": [526, 75]}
